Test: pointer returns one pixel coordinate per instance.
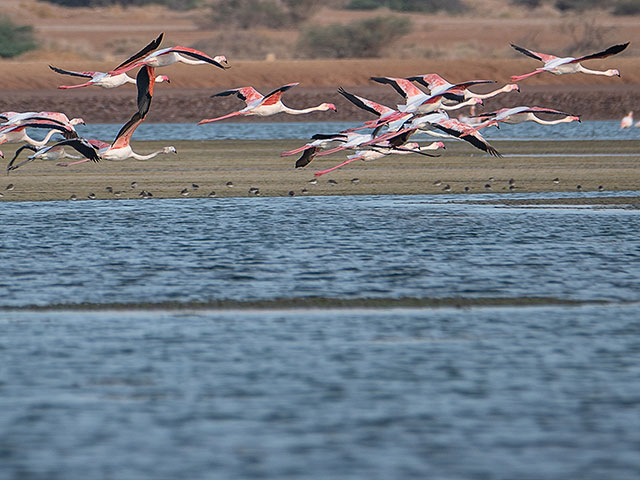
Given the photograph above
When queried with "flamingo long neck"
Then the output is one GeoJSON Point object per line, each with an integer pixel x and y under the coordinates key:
{"type": "Point", "coordinates": [606, 73]}
{"type": "Point", "coordinates": [293, 111]}
{"type": "Point", "coordinates": [567, 119]}
{"type": "Point", "coordinates": [471, 101]}
{"type": "Point", "coordinates": [128, 79]}
{"type": "Point", "coordinates": [482, 96]}
{"type": "Point", "coordinates": [39, 143]}
{"type": "Point", "coordinates": [190, 61]}
{"type": "Point", "coordinates": [145, 157]}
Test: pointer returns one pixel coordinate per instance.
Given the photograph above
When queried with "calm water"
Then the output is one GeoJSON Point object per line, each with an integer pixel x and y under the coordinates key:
{"type": "Point", "coordinates": [591, 130]}
{"type": "Point", "coordinates": [548, 392]}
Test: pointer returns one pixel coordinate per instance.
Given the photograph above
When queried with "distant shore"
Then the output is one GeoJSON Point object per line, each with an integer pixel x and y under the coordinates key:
{"type": "Point", "coordinates": [237, 168]}
{"type": "Point", "coordinates": [29, 86]}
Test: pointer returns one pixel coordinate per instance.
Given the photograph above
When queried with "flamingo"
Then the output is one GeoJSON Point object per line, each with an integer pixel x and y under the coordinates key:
{"type": "Point", "coordinates": [102, 79]}
{"type": "Point", "coordinates": [55, 152]}
{"type": "Point", "coordinates": [560, 66]}
{"type": "Point", "coordinates": [264, 106]}
{"type": "Point", "coordinates": [120, 148]}
{"type": "Point", "coordinates": [435, 83]}
{"type": "Point", "coordinates": [169, 56]}
{"type": "Point", "coordinates": [378, 152]}
{"type": "Point", "coordinates": [627, 120]}
{"type": "Point", "coordinates": [16, 134]}
{"type": "Point", "coordinates": [383, 112]}
{"type": "Point", "coordinates": [416, 101]}
{"type": "Point", "coordinates": [15, 118]}
{"type": "Point", "coordinates": [522, 114]}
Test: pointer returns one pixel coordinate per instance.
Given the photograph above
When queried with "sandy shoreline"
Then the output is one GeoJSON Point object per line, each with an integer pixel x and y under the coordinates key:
{"type": "Point", "coordinates": [593, 165]}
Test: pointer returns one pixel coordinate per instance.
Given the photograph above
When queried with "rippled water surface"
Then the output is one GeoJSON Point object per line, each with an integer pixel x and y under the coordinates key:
{"type": "Point", "coordinates": [590, 130]}
{"type": "Point", "coordinates": [534, 392]}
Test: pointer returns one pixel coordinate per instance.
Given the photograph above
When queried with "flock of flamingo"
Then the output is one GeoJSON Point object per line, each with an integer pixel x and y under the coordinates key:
{"type": "Point", "coordinates": [425, 110]}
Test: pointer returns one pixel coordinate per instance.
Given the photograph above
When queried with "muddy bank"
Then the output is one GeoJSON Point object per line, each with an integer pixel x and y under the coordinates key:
{"type": "Point", "coordinates": [236, 168]}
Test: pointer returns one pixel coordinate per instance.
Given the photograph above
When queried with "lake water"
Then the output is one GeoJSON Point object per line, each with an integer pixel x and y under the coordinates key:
{"type": "Point", "coordinates": [527, 392]}
{"type": "Point", "coordinates": [589, 130]}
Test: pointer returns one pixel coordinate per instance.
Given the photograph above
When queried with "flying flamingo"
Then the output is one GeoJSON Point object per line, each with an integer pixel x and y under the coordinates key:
{"type": "Point", "coordinates": [15, 118]}
{"type": "Point", "coordinates": [264, 106]}
{"type": "Point", "coordinates": [522, 114]}
{"type": "Point", "coordinates": [102, 79]}
{"type": "Point", "coordinates": [383, 112]}
{"type": "Point", "coordinates": [435, 83]}
{"type": "Point", "coordinates": [627, 120]}
{"type": "Point", "coordinates": [416, 101]}
{"type": "Point", "coordinates": [560, 66]}
{"type": "Point", "coordinates": [169, 56]}
{"type": "Point", "coordinates": [378, 152]}
{"type": "Point", "coordinates": [119, 149]}
{"type": "Point", "coordinates": [53, 152]}
{"type": "Point", "coordinates": [18, 133]}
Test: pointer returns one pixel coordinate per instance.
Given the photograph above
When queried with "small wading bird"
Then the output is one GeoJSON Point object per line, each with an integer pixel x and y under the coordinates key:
{"type": "Point", "coordinates": [560, 66]}
{"type": "Point", "coordinates": [264, 105]}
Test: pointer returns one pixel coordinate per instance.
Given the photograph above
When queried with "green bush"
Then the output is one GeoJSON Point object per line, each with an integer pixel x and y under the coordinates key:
{"type": "Point", "coordinates": [527, 3]}
{"type": "Point", "coordinates": [627, 7]}
{"type": "Point", "coordinates": [360, 39]}
{"type": "Point", "coordinates": [451, 6]}
{"type": "Point", "coordinates": [15, 39]}
{"type": "Point", "coordinates": [578, 5]}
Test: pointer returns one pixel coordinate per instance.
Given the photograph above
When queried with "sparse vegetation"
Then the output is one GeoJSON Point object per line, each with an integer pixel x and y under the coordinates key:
{"type": "Point", "coordinates": [275, 14]}
{"type": "Point", "coordinates": [175, 4]}
{"type": "Point", "coordinates": [15, 39]}
{"type": "Point", "coordinates": [362, 39]}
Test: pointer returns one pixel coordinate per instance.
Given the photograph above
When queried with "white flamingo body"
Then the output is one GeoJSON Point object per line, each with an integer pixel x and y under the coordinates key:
{"type": "Point", "coordinates": [565, 65]}
{"type": "Point", "coordinates": [19, 135]}
{"type": "Point", "coordinates": [102, 79]}
{"type": "Point", "coordinates": [523, 114]}
{"type": "Point", "coordinates": [627, 120]}
{"type": "Point", "coordinates": [377, 152]}
{"type": "Point", "coordinates": [121, 149]}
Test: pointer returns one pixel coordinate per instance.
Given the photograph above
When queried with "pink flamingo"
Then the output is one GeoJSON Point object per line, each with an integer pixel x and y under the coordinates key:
{"type": "Point", "coordinates": [435, 83]}
{"type": "Point", "coordinates": [169, 56]}
{"type": "Point", "coordinates": [120, 148]}
{"type": "Point", "coordinates": [419, 102]}
{"type": "Point", "coordinates": [561, 66]}
{"type": "Point", "coordinates": [523, 114]}
{"type": "Point", "coordinates": [379, 152]}
{"type": "Point", "coordinates": [627, 120]}
{"type": "Point", "coordinates": [264, 106]}
{"type": "Point", "coordinates": [102, 79]}
{"type": "Point", "coordinates": [15, 129]}
{"type": "Point", "coordinates": [385, 114]}
{"type": "Point", "coordinates": [53, 152]}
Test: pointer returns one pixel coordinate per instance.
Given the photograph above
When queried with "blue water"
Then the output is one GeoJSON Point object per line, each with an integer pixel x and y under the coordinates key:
{"type": "Point", "coordinates": [546, 392]}
{"type": "Point", "coordinates": [589, 130]}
